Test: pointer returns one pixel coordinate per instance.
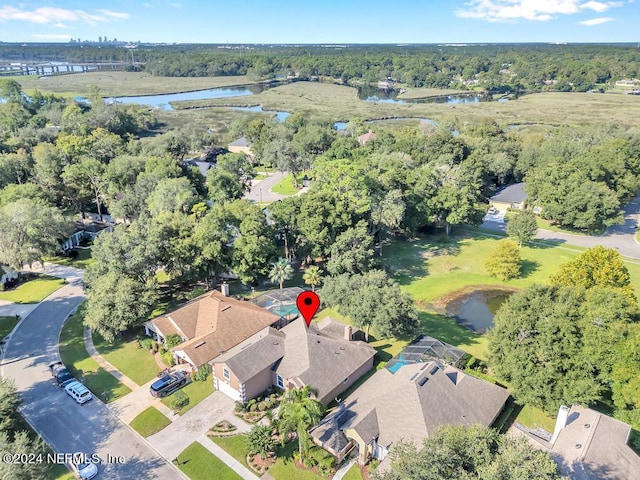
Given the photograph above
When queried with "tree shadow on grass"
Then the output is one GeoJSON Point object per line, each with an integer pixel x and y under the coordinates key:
{"type": "Point", "coordinates": [286, 453]}
{"type": "Point", "coordinates": [528, 267]}
{"type": "Point", "coordinates": [445, 329]}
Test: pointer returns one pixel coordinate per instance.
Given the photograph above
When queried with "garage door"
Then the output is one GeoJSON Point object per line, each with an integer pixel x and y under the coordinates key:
{"type": "Point", "coordinates": [228, 390]}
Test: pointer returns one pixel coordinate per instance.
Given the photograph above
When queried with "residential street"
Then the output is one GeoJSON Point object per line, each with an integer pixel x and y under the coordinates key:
{"type": "Point", "coordinates": [620, 237]}
{"type": "Point", "coordinates": [261, 191]}
{"type": "Point", "coordinates": [66, 426]}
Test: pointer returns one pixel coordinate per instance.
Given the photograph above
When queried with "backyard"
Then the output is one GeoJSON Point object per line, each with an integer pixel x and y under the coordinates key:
{"type": "Point", "coordinates": [74, 355]}
{"type": "Point", "coordinates": [33, 291]}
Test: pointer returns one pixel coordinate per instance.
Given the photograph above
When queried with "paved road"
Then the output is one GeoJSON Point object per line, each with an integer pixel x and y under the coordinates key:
{"type": "Point", "coordinates": [66, 426]}
{"type": "Point", "coordinates": [620, 237]}
{"type": "Point", "coordinates": [260, 191]}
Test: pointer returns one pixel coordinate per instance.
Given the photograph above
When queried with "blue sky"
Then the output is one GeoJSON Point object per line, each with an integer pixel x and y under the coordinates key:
{"type": "Point", "coordinates": [326, 21]}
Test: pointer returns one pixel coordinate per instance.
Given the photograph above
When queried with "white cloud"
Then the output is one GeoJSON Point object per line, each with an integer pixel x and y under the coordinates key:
{"type": "Point", "coordinates": [58, 17]}
{"type": "Point", "coordinates": [536, 10]}
{"type": "Point", "coordinates": [596, 21]}
{"type": "Point", "coordinates": [51, 36]}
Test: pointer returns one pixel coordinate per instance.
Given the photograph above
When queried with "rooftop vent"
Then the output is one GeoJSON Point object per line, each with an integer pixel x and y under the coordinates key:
{"type": "Point", "coordinates": [226, 307]}
{"type": "Point", "coordinates": [199, 344]}
{"type": "Point", "coordinates": [422, 381]}
{"type": "Point", "coordinates": [434, 369]}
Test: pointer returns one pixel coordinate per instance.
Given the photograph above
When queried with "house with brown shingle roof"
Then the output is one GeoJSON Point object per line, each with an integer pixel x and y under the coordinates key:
{"type": "Point", "coordinates": [322, 356]}
{"type": "Point", "coordinates": [209, 325]}
{"type": "Point", "coordinates": [408, 403]}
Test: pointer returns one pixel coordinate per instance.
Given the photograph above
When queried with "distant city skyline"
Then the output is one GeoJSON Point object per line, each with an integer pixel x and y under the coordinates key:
{"type": "Point", "coordinates": [330, 21]}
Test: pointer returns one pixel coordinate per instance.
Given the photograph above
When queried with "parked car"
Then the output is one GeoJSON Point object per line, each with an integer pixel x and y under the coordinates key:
{"type": "Point", "coordinates": [60, 373]}
{"type": "Point", "coordinates": [168, 384]}
{"type": "Point", "coordinates": [78, 392]}
{"type": "Point", "coordinates": [492, 211]}
{"type": "Point", "coordinates": [86, 471]}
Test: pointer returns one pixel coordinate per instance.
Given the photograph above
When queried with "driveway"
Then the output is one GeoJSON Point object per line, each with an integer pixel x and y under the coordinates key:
{"type": "Point", "coordinates": [173, 439]}
{"type": "Point", "coordinates": [261, 191]}
{"type": "Point", "coordinates": [619, 237]}
{"type": "Point", "coordinates": [66, 426]}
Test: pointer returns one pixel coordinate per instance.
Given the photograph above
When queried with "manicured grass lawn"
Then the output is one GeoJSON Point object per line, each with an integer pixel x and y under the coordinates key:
{"type": "Point", "coordinates": [198, 463]}
{"type": "Point", "coordinates": [82, 366]}
{"type": "Point", "coordinates": [234, 445]}
{"type": "Point", "coordinates": [196, 391]}
{"type": "Point", "coordinates": [60, 472]}
{"type": "Point", "coordinates": [150, 421]}
{"type": "Point", "coordinates": [533, 417]}
{"type": "Point", "coordinates": [33, 291]}
{"type": "Point", "coordinates": [83, 260]}
{"type": "Point", "coordinates": [285, 468]}
{"type": "Point", "coordinates": [285, 186]}
{"type": "Point", "coordinates": [126, 355]}
{"type": "Point", "coordinates": [549, 225]}
{"type": "Point", "coordinates": [353, 473]}
{"type": "Point", "coordinates": [7, 324]}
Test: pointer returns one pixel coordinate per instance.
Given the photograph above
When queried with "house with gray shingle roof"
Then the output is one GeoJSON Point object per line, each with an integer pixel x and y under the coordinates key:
{"type": "Point", "coordinates": [322, 356]}
{"type": "Point", "coordinates": [408, 403]}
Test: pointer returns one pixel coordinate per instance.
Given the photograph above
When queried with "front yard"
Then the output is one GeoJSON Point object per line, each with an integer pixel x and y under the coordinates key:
{"type": "Point", "coordinates": [150, 421]}
{"type": "Point", "coordinates": [198, 463]}
{"type": "Point", "coordinates": [33, 291]}
{"type": "Point", "coordinates": [285, 186]}
{"type": "Point", "coordinates": [234, 445]}
{"type": "Point", "coordinates": [7, 324]}
{"type": "Point", "coordinates": [196, 391]}
{"type": "Point", "coordinates": [82, 366]}
{"type": "Point", "coordinates": [129, 357]}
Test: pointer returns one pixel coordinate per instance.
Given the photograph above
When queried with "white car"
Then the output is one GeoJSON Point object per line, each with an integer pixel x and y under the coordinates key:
{"type": "Point", "coordinates": [78, 392]}
{"type": "Point", "coordinates": [492, 211]}
{"type": "Point", "coordinates": [86, 471]}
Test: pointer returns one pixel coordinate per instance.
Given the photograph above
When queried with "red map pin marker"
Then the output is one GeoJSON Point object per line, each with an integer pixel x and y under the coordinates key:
{"type": "Point", "coordinates": [308, 303]}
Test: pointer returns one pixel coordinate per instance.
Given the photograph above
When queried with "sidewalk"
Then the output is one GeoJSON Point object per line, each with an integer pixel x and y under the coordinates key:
{"type": "Point", "coordinates": [91, 349]}
{"type": "Point", "coordinates": [231, 462]}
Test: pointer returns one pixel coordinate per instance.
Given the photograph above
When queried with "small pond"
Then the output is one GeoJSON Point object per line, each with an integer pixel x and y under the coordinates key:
{"type": "Point", "coordinates": [475, 309]}
{"type": "Point", "coordinates": [373, 94]}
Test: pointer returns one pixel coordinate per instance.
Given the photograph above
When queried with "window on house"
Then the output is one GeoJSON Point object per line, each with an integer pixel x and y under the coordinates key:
{"type": "Point", "coordinates": [280, 381]}
{"type": "Point", "coordinates": [226, 374]}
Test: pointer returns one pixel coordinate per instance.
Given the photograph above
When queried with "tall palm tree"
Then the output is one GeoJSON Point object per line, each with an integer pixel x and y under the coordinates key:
{"type": "Point", "coordinates": [280, 271]}
{"type": "Point", "coordinates": [312, 276]}
{"type": "Point", "coordinates": [298, 413]}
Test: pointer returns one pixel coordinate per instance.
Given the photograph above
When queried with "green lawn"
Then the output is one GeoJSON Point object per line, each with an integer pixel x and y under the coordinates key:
{"type": "Point", "coordinates": [285, 186]}
{"type": "Point", "coordinates": [33, 291]}
{"type": "Point", "coordinates": [196, 391]}
{"type": "Point", "coordinates": [7, 324]}
{"type": "Point", "coordinates": [127, 356]}
{"type": "Point", "coordinates": [234, 445]}
{"type": "Point", "coordinates": [353, 473]}
{"type": "Point", "coordinates": [83, 260]}
{"type": "Point", "coordinates": [285, 469]}
{"type": "Point", "coordinates": [83, 367]}
{"type": "Point", "coordinates": [549, 225]}
{"type": "Point", "coordinates": [150, 421]}
{"type": "Point", "coordinates": [198, 463]}
{"type": "Point", "coordinates": [60, 472]}
{"type": "Point", "coordinates": [533, 417]}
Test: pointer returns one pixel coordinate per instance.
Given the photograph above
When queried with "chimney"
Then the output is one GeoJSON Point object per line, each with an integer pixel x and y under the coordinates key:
{"type": "Point", "coordinates": [348, 333]}
{"type": "Point", "coordinates": [561, 422]}
{"type": "Point", "coordinates": [224, 288]}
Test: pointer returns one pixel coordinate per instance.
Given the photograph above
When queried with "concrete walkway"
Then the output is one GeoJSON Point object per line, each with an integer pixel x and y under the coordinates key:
{"type": "Point", "coordinates": [91, 349]}
{"type": "Point", "coordinates": [342, 471]}
{"type": "Point", "coordinates": [173, 439]}
{"type": "Point", "coordinates": [231, 462]}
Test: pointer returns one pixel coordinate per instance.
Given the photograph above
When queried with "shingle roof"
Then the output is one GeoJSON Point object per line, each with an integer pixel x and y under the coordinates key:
{"type": "Point", "coordinates": [241, 142]}
{"type": "Point", "coordinates": [213, 323]}
{"type": "Point", "coordinates": [512, 194]}
{"type": "Point", "coordinates": [603, 451]}
{"type": "Point", "coordinates": [320, 361]}
{"type": "Point", "coordinates": [415, 400]}
{"type": "Point", "coordinates": [256, 353]}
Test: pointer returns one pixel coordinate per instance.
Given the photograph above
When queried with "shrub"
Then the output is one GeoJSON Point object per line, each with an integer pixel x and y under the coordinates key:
{"type": "Point", "coordinates": [239, 407]}
{"type": "Point", "coordinates": [167, 358]}
{"type": "Point", "coordinates": [172, 340]}
{"type": "Point", "coordinates": [147, 343]}
{"type": "Point", "coordinates": [262, 406]}
{"type": "Point", "coordinates": [253, 407]}
{"type": "Point", "coordinates": [179, 401]}
{"type": "Point", "coordinates": [196, 292]}
{"type": "Point", "coordinates": [202, 373]}
{"type": "Point", "coordinates": [504, 262]}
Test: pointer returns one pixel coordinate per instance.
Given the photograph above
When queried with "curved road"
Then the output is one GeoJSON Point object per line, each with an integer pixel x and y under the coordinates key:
{"type": "Point", "coordinates": [621, 237]}
{"type": "Point", "coordinates": [65, 426]}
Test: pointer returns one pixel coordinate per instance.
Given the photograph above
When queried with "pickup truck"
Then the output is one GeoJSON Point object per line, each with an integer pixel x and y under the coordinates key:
{"type": "Point", "coordinates": [60, 373]}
